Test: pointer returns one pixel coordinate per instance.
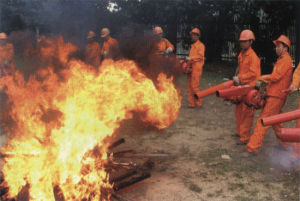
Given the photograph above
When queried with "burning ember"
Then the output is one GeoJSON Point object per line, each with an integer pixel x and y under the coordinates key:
{"type": "Point", "coordinates": [61, 119]}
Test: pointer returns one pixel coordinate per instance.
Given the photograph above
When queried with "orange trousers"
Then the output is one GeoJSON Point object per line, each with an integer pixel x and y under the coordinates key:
{"type": "Point", "coordinates": [193, 84]}
{"type": "Point", "coordinates": [273, 106]}
{"type": "Point", "coordinates": [244, 120]}
{"type": "Point", "coordinates": [296, 151]}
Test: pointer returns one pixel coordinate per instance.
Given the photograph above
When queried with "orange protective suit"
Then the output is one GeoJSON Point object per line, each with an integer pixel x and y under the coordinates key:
{"type": "Point", "coordinates": [93, 53]}
{"type": "Point", "coordinates": [296, 83]}
{"type": "Point", "coordinates": [162, 45]}
{"type": "Point", "coordinates": [6, 58]}
{"type": "Point", "coordinates": [248, 72]}
{"type": "Point", "coordinates": [278, 81]}
{"type": "Point", "coordinates": [110, 48]}
{"type": "Point", "coordinates": [196, 56]}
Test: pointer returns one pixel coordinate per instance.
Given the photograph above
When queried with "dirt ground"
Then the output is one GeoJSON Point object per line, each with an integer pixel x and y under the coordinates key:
{"type": "Point", "coordinates": [196, 141]}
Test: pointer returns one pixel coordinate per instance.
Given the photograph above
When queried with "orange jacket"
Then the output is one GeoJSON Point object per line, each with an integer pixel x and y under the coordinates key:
{"type": "Point", "coordinates": [296, 77]}
{"type": "Point", "coordinates": [93, 53]}
{"type": "Point", "coordinates": [249, 67]}
{"type": "Point", "coordinates": [111, 46]}
{"type": "Point", "coordinates": [6, 54]}
{"type": "Point", "coordinates": [197, 53]}
{"type": "Point", "coordinates": [163, 44]}
{"type": "Point", "coordinates": [281, 77]}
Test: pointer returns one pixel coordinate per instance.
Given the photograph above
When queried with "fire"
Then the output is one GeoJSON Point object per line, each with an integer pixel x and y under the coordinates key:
{"type": "Point", "coordinates": [62, 119]}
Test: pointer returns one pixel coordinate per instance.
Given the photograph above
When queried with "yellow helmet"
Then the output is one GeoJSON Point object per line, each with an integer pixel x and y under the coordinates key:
{"type": "Point", "coordinates": [247, 35]}
{"type": "Point", "coordinates": [284, 39]}
{"type": "Point", "coordinates": [195, 31]}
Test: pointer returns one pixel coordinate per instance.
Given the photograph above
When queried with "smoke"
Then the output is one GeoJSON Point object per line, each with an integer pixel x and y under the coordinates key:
{"type": "Point", "coordinates": [73, 19]}
{"type": "Point", "coordinates": [139, 44]}
{"type": "Point", "coordinates": [282, 158]}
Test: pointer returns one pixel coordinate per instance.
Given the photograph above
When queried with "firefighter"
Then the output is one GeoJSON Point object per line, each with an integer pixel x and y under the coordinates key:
{"type": "Point", "coordinates": [92, 50]}
{"type": "Point", "coordinates": [248, 73]}
{"type": "Point", "coordinates": [278, 81]}
{"type": "Point", "coordinates": [163, 45]}
{"type": "Point", "coordinates": [110, 47]}
{"type": "Point", "coordinates": [7, 65]}
{"type": "Point", "coordinates": [196, 60]}
{"type": "Point", "coordinates": [294, 87]}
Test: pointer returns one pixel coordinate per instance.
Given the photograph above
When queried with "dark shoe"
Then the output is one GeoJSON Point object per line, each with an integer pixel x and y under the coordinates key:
{"type": "Point", "coordinates": [196, 97]}
{"type": "Point", "coordinates": [241, 143]}
{"type": "Point", "coordinates": [235, 135]}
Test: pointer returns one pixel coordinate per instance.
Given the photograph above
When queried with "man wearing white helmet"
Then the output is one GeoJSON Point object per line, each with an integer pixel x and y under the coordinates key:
{"type": "Point", "coordinates": [163, 46]}
{"type": "Point", "coordinates": [110, 47]}
{"type": "Point", "coordinates": [92, 50]}
{"type": "Point", "coordinates": [6, 55]}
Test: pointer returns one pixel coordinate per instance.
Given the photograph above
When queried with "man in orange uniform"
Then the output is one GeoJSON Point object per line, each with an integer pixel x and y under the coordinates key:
{"type": "Point", "coordinates": [6, 56]}
{"type": "Point", "coordinates": [92, 50]}
{"type": "Point", "coordinates": [163, 45]}
{"type": "Point", "coordinates": [110, 48]}
{"type": "Point", "coordinates": [294, 87]}
{"type": "Point", "coordinates": [196, 59]}
{"type": "Point", "coordinates": [278, 81]}
{"type": "Point", "coordinates": [248, 73]}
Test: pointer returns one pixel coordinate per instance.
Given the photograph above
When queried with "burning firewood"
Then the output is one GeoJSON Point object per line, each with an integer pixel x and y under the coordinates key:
{"type": "Point", "coordinates": [116, 143]}
{"type": "Point", "coordinates": [133, 180]}
{"type": "Point", "coordinates": [122, 174]}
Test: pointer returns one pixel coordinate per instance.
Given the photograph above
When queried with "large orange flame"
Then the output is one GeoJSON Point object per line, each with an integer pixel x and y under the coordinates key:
{"type": "Point", "coordinates": [61, 118]}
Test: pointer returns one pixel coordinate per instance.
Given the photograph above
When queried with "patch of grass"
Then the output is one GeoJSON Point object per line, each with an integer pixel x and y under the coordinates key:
{"type": "Point", "coordinates": [162, 169]}
{"type": "Point", "coordinates": [211, 155]}
{"type": "Point", "coordinates": [210, 195]}
{"type": "Point", "coordinates": [219, 171]}
{"type": "Point", "coordinates": [252, 192]}
{"type": "Point", "coordinates": [242, 198]}
{"type": "Point", "coordinates": [267, 185]}
{"type": "Point", "coordinates": [267, 198]}
{"type": "Point", "coordinates": [291, 186]}
{"type": "Point", "coordinates": [201, 174]}
{"type": "Point", "coordinates": [235, 186]}
{"type": "Point", "coordinates": [195, 188]}
{"type": "Point", "coordinates": [219, 192]}
{"type": "Point", "coordinates": [237, 165]}
{"type": "Point", "coordinates": [184, 150]}
{"type": "Point", "coordinates": [237, 175]}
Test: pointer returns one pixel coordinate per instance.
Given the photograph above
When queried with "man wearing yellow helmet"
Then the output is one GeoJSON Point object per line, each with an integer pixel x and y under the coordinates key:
{"type": "Point", "coordinates": [196, 60]}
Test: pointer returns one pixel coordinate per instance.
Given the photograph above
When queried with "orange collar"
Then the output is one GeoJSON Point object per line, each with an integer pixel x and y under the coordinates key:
{"type": "Point", "coordinates": [283, 55]}
{"type": "Point", "coordinates": [247, 52]}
